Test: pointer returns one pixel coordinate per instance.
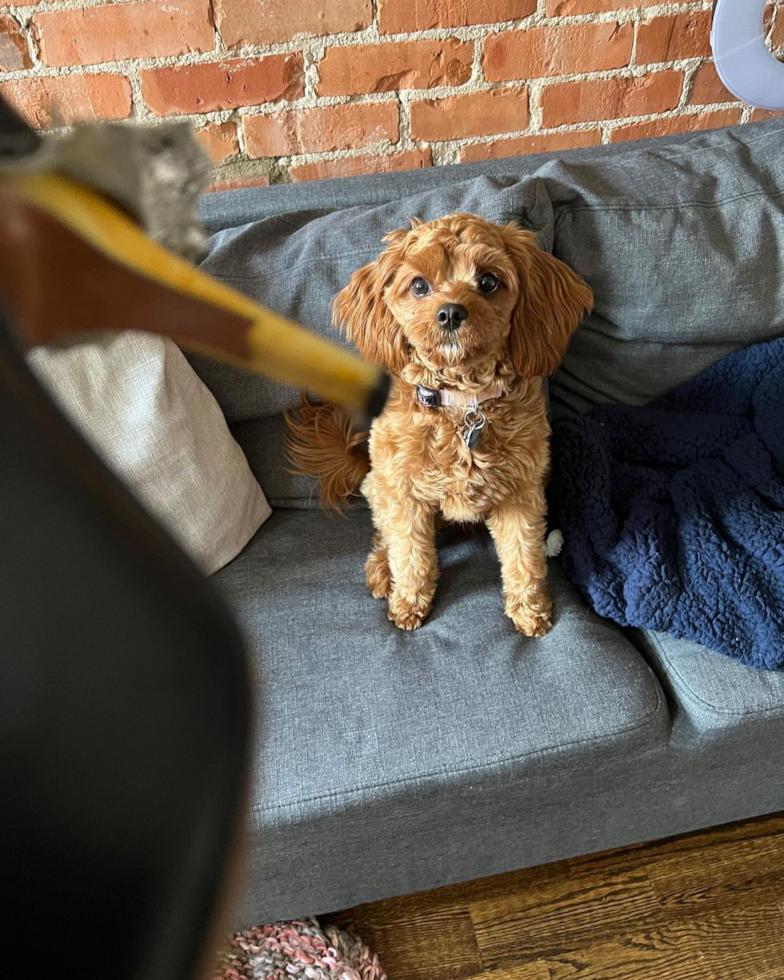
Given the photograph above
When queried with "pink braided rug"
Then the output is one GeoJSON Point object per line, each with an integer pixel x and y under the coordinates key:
{"type": "Point", "coordinates": [286, 950]}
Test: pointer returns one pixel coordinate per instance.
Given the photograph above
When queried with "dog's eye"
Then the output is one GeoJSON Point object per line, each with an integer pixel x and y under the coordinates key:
{"type": "Point", "coordinates": [420, 287]}
{"type": "Point", "coordinates": [487, 283]}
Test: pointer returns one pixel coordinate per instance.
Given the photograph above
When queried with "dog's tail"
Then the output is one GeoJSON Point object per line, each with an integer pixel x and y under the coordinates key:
{"type": "Point", "coordinates": [322, 442]}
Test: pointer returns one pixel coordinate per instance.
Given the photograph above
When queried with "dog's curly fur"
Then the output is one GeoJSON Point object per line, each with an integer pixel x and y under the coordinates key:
{"type": "Point", "coordinates": [419, 468]}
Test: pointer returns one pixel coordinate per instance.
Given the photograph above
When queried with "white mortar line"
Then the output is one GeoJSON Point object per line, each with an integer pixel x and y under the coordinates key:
{"type": "Point", "coordinates": [535, 89]}
{"type": "Point", "coordinates": [405, 142]}
{"type": "Point", "coordinates": [139, 110]}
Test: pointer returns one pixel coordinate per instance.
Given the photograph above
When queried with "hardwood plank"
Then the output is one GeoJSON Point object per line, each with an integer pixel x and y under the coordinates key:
{"type": "Point", "coordinates": [739, 945]}
{"type": "Point", "coordinates": [527, 971]}
{"type": "Point", "coordinates": [643, 956]}
{"type": "Point", "coordinates": [417, 946]}
{"type": "Point", "coordinates": [744, 942]}
{"type": "Point", "coordinates": [562, 914]}
{"type": "Point", "coordinates": [733, 873]}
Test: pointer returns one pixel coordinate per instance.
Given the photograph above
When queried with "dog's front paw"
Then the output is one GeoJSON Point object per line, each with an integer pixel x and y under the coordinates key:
{"type": "Point", "coordinates": [408, 614]}
{"type": "Point", "coordinates": [532, 615]}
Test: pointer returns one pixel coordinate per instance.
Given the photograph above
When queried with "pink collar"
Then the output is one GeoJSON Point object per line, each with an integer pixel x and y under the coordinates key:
{"type": "Point", "coordinates": [453, 398]}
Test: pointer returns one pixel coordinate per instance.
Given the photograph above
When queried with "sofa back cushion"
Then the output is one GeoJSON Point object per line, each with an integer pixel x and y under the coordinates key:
{"type": "Point", "coordinates": [684, 249]}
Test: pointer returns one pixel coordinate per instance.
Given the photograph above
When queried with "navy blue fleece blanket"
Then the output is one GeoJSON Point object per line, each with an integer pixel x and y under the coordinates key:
{"type": "Point", "coordinates": [673, 512]}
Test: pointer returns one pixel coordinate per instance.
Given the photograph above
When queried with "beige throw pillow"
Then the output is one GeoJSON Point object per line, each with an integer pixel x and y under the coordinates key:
{"type": "Point", "coordinates": [157, 426]}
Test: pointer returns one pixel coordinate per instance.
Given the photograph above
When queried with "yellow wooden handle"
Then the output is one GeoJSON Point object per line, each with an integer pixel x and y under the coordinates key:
{"type": "Point", "coordinates": [279, 348]}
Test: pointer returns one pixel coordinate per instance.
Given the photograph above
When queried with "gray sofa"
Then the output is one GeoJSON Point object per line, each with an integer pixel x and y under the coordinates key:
{"type": "Point", "coordinates": [391, 762]}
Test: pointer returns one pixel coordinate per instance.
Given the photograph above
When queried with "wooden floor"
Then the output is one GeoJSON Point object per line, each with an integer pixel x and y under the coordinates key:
{"type": "Point", "coordinates": [709, 906]}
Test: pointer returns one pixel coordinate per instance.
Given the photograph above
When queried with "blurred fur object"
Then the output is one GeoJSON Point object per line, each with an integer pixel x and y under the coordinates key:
{"type": "Point", "coordinates": [155, 173]}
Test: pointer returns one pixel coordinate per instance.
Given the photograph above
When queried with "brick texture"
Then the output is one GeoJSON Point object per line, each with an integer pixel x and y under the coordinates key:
{"type": "Point", "coordinates": [707, 87]}
{"type": "Point", "coordinates": [118, 31]}
{"type": "Point", "coordinates": [365, 164]}
{"type": "Point", "coordinates": [397, 16]}
{"type": "Point", "coordinates": [777, 34]}
{"type": "Point", "coordinates": [611, 98]}
{"type": "Point", "coordinates": [394, 66]}
{"type": "Point", "coordinates": [220, 141]}
{"type": "Point", "coordinates": [542, 52]}
{"type": "Point", "coordinates": [48, 102]}
{"type": "Point", "coordinates": [233, 183]}
{"type": "Point", "coordinates": [674, 37]}
{"type": "Point", "coordinates": [497, 111]}
{"type": "Point", "coordinates": [13, 47]}
{"type": "Point", "coordinates": [523, 145]}
{"type": "Point", "coordinates": [283, 90]}
{"type": "Point", "coordinates": [223, 85]}
{"type": "Point", "coordinates": [675, 124]}
{"type": "Point", "coordinates": [342, 127]}
{"type": "Point", "coordinates": [273, 21]}
{"type": "Point", "coordinates": [570, 8]}
{"type": "Point", "coordinates": [763, 115]}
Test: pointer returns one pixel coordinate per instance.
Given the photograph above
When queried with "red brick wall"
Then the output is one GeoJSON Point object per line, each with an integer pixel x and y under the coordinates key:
{"type": "Point", "coordinates": [299, 89]}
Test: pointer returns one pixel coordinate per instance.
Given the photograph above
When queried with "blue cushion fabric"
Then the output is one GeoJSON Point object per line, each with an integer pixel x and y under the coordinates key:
{"type": "Point", "coordinates": [672, 512]}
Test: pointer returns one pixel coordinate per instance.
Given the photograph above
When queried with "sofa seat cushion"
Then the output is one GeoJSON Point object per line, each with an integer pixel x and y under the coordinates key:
{"type": "Point", "coordinates": [352, 709]}
{"type": "Point", "coordinates": [712, 694]}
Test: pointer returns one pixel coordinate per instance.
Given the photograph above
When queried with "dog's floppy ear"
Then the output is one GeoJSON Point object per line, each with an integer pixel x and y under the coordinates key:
{"type": "Point", "coordinates": [553, 301]}
{"type": "Point", "coordinates": [360, 310]}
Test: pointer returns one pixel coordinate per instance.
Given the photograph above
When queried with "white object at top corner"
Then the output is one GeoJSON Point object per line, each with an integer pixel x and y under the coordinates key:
{"type": "Point", "coordinates": [746, 66]}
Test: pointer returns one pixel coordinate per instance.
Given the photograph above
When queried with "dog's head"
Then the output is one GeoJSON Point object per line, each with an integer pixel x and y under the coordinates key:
{"type": "Point", "coordinates": [458, 290]}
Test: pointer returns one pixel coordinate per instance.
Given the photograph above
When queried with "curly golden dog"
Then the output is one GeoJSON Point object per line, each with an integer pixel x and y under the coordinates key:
{"type": "Point", "coordinates": [468, 317]}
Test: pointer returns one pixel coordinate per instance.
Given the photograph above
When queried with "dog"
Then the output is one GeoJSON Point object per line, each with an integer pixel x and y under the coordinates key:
{"type": "Point", "coordinates": [468, 317]}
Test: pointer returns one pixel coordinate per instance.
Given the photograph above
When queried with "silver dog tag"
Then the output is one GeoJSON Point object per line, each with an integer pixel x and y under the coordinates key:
{"type": "Point", "coordinates": [475, 422]}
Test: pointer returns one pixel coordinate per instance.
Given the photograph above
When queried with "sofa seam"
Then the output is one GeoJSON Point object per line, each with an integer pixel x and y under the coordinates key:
{"type": "Point", "coordinates": [674, 206]}
{"type": "Point", "coordinates": [331, 259]}
{"type": "Point", "coordinates": [663, 343]}
{"type": "Point", "coordinates": [648, 721]}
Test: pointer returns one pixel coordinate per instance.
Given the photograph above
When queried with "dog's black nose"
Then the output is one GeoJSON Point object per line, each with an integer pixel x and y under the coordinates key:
{"type": "Point", "coordinates": [450, 316]}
